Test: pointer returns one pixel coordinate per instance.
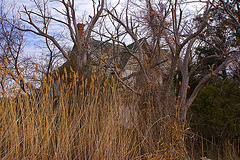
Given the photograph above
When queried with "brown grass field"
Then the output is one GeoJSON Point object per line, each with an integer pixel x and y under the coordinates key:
{"type": "Point", "coordinates": [89, 119]}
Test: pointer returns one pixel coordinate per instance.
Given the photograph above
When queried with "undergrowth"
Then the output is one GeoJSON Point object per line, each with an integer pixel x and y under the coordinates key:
{"type": "Point", "coordinates": [92, 118]}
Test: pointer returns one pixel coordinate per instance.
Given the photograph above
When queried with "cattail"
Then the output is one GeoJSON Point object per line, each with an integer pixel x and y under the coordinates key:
{"type": "Point", "coordinates": [74, 80]}
{"type": "Point", "coordinates": [36, 66]}
{"type": "Point", "coordinates": [49, 78]}
{"type": "Point", "coordinates": [44, 83]}
{"type": "Point", "coordinates": [76, 73]}
{"type": "Point", "coordinates": [30, 85]}
{"type": "Point", "coordinates": [58, 81]}
{"type": "Point", "coordinates": [80, 88]}
{"type": "Point", "coordinates": [105, 83]}
{"type": "Point", "coordinates": [62, 77]}
{"type": "Point", "coordinates": [71, 69]}
{"type": "Point", "coordinates": [92, 79]}
{"type": "Point", "coordinates": [92, 83]}
{"type": "Point", "coordinates": [86, 81]}
{"type": "Point", "coordinates": [117, 70]}
{"type": "Point", "coordinates": [55, 75]}
{"type": "Point", "coordinates": [64, 87]}
{"type": "Point", "coordinates": [112, 79]}
{"type": "Point", "coordinates": [65, 72]}
{"type": "Point", "coordinates": [145, 63]}
{"type": "Point", "coordinates": [6, 62]}
{"type": "Point", "coordinates": [52, 80]}
{"type": "Point", "coordinates": [146, 57]}
{"type": "Point", "coordinates": [34, 77]}
{"type": "Point", "coordinates": [82, 83]}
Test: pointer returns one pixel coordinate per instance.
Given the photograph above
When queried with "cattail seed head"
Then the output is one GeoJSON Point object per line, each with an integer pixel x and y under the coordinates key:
{"type": "Point", "coordinates": [6, 63]}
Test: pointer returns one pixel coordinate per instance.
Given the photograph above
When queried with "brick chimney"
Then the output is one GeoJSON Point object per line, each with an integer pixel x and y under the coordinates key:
{"type": "Point", "coordinates": [80, 27]}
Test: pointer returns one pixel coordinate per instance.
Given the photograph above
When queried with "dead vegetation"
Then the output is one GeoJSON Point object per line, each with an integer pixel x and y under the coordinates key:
{"type": "Point", "coordinates": [92, 120]}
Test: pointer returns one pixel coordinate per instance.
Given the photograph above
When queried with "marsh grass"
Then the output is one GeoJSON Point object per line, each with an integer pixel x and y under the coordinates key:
{"type": "Point", "coordinates": [92, 118]}
{"type": "Point", "coordinates": [214, 148]}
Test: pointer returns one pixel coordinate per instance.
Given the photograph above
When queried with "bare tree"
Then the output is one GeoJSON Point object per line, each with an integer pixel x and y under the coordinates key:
{"type": "Point", "coordinates": [131, 29]}
{"type": "Point", "coordinates": [11, 47]}
{"type": "Point", "coordinates": [180, 39]}
{"type": "Point", "coordinates": [169, 28]}
{"type": "Point", "coordinates": [232, 54]}
{"type": "Point", "coordinates": [39, 23]}
{"type": "Point", "coordinates": [172, 29]}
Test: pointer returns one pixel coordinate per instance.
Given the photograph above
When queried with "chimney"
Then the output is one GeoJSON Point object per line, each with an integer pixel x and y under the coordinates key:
{"type": "Point", "coordinates": [80, 27]}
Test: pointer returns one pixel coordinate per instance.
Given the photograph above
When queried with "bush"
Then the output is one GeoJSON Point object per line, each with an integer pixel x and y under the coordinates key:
{"type": "Point", "coordinates": [216, 110]}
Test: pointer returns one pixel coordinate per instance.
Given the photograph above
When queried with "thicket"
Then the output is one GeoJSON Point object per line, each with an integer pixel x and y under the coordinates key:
{"type": "Point", "coordinates": [81, 113]}
{"type": "Point", "coordinates": [214, 117]}
{"type": "Point", "coordinates": [93, 118]}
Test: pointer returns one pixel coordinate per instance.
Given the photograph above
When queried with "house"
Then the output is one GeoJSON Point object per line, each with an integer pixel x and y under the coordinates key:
{"type": "Point", "coordinates": [118, 57]}
{"type": "Point", "coordinates": [97, 50]}
{"type": "Point", "coordinates": [130, 65]}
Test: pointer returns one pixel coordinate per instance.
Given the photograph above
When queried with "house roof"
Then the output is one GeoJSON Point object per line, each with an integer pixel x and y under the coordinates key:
{"type": "Point", "coordinates": [124, 55]}
{"type": "Point", "coordinates": [133, 46]}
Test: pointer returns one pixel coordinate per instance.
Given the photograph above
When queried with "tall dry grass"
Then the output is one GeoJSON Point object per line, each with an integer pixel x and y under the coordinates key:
{"type": "Point", "coordinates": [93, 118]}
{"type": "Point", "coordinates": [214, 148]}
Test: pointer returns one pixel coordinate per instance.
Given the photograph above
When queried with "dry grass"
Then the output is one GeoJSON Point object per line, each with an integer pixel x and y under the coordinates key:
{"type": "Point", "coordinates": [89, 119]}
{"type": "Point", "coordinates": [81, 123]}
{"type": "Point", "coordinates": [213, 148]}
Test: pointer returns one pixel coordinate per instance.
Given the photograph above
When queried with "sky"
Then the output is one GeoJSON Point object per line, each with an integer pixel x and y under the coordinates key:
{"type": "Point", "coordinates": [82, 7]}
{"type": "Point", "coordinates": [32, 41]}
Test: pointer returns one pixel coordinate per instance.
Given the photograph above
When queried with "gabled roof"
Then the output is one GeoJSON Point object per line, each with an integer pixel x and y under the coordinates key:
{"type": "Point", "coordinates": [133, 46]}
{"type": "Point", "coordinates": [125, 56]}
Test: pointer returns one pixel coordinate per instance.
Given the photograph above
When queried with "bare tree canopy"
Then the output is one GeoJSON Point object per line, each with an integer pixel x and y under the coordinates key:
{"type": "Point", "coordinates": [125, 82]}
{"type": "Point", "coordinates": [165, 39]}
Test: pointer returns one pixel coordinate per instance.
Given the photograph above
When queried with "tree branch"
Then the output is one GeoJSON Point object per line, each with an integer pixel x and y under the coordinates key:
{"type": "Point", "coordinates": [208, 76]}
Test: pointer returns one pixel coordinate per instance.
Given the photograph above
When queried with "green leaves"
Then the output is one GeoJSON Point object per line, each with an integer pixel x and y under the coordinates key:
{"type": "Point", "coordinates": [217, 108]}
